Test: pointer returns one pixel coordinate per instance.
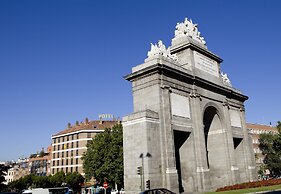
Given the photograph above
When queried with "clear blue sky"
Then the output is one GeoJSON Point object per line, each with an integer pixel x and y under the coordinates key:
{"type": "Point", "coordinates": [62, 61]}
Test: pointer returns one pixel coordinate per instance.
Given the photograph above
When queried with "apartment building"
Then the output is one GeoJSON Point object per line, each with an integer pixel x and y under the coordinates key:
{"type": "Point", "coordinates": [40, 164]}
{"type": "Point", "coordinates": [69, 145]}
{"type": "Point", "coordinates": [255, 130]}
{"type": "Point", "coordinates": [17, 170]}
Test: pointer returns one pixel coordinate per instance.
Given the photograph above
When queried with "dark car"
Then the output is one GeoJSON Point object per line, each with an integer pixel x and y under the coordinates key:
{"type": "Point", "coordinates": [8, 193]}
{"type": "Point", "coordinates": [157, 191]}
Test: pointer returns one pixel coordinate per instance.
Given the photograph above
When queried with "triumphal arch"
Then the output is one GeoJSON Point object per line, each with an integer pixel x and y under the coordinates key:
{"type": "Point", "coordinates": [188, 131]}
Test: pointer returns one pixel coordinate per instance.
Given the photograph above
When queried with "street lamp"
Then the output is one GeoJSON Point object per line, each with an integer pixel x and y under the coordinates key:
{"type": "Point", "coordinates": [142, 156]}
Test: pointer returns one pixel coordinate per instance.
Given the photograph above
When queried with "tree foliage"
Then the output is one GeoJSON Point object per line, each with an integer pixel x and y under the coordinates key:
{"type": "Point", "coordinates": [270, 145]}
{"type": "Point", "coordinates": [72, 180]}
{"type": "Point", "coordinates": [104, 156]}
{"type": "Point", "coordinates": [3, 172]}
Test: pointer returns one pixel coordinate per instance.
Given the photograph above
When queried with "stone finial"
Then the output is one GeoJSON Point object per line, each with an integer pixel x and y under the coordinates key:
{"type": "Point", "coordinates": [160, 49]}
{"type": "Point", "coordinates": [225, 79]}
{"type": "Point", "coordinates": [187, 28]}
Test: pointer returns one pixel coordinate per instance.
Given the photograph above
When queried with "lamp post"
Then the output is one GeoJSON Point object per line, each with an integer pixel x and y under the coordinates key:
{"type": "Point", "coordinates": [142, 156]}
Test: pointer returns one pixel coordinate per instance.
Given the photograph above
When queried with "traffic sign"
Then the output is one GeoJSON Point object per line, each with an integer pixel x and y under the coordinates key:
{"type": "Point", "coordinates": [105, 185]}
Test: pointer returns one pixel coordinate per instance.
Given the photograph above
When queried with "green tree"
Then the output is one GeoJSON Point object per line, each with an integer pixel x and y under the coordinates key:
{"type": "Point", "coordinates": [74, 181]}
{"type": "Point", "coordinates": [279, 126]}
{"type": "Point", "coordinates": [58, 179]}
{"type": "Point", "coordinates": [104, 156]}
{"type": "Point", "coordinates": [270, 145]}
{"type": "Point", "coordinates": [3, 172]}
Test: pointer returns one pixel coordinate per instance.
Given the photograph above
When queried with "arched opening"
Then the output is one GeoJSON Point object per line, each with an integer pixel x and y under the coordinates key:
{"type": "Point", "coordinates": [182, 151]}
{"type": "Point", "coordinates": [216, 147]}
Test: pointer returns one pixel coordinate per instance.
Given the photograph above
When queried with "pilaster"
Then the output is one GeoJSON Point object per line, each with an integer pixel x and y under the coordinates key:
{"type": "Point", "coordinates": [170, 160]}
{"type": "Point", "coordinates": [232, 167]}
{"type": "Point", "coordinates": [251, 172]}
{"type": "Point", "coordinates": [202, 183]}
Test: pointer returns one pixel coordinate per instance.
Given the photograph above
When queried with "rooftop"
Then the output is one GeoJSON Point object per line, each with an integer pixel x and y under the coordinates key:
{"type": "Point", "coordinates": [90, 125]}
{"type": "Point", "coordinates": [261, 127]}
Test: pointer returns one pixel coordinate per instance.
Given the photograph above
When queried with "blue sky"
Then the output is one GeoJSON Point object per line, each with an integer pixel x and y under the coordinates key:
{"type": "Point", "coordinates": [62, 61]}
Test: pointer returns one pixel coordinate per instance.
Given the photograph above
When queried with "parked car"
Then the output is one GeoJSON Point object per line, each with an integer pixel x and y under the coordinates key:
{"type": "Point", "coordinates": [114, 191]}
{"type": "Point", "coordinates": [122, 191]}
{"type": "Point", "coordinates": [157, 191]}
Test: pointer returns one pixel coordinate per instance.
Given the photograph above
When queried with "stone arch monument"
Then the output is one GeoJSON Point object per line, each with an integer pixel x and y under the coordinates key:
{"type": "Point", "coordinates": [188, 129]}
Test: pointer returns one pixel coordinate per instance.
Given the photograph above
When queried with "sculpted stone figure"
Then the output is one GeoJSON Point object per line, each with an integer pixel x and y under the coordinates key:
{"type": "Point", "coordinates": [187, 28]}
{"type": "Point", "coordinates": [225, 79]}
{"type": "Point", "coordinates": [160, 49]}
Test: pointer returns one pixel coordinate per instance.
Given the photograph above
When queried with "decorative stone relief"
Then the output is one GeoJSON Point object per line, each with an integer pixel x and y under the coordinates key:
{"type": "Point", "coordinates": [187, 28]}
{"type": "Point", "coordinates": [160, 49]}
{"type": "Point", "coordinates": [225, 79]}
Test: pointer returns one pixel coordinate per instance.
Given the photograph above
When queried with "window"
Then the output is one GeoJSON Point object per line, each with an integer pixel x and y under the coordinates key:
{"type": "Point", "coordinates": [58, 140]}
{"type": "Point", "coordinates": [71, 169]}
{"type": "Point", "coordinates": [62, 162]}
{"type": "Point", "coordinates": [76, 152]}
{"type": "Point", "coordinates": [72, 137]}
{"type": "Point", "coordinates": [53, 171]}
{"type": "Point", "coordinates": [66, 153]}
{"type": "Point", "coordinates": [88, 135]}
{"type": "Point", "coordinates": [54, 140]}
{"type": "Point", "coordinates": [71, 144]}
{"type": "Point", "coordinates": [54, 149]}
{"type": "Point", "coordinates": [66, 169]}
{"type": "Point", "coordinates": [66, 161]}
{"type": "Point", "coordinates": [71, 153]}
{"type": "Point", "coordinates": [62, 154]}
{"type": "Point", "coordinates": [57, 170]}
{"type": "Point", "coordinates": [61, 169]}
{"type": "Point", "coordinates": [62, 139]}
{"type": "Point", "coordinates": [54, 155]}
{"type": "Point", "coordinates": [76, 160]}
{"type": "Point", "coordinates": [58, 154]}
{"type": "Point", "coordinates": [67, 138]}
{"type": "Point", "coordinates": [67, 146]}
{"type": "Point", "coordinates": [71, 161]}
{"type": "Point", "coordinates": [77, 136]}
{"type": "Point", "coordinates": [77, 144]}
{"type": "Point", "coordinates": [58, 147]}
{"type": "Point", "coordinates": [53, 164]}
{"type": "Point", "coordinates": [76, 168]}
{"type": "Point", "coordinates": [58, 162]}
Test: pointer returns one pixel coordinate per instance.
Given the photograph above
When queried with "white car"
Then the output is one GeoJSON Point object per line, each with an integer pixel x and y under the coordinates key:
{"type": "Point", "coordinates": [122, 191]}
{"type": "Point", "coordinates": [114, 191]}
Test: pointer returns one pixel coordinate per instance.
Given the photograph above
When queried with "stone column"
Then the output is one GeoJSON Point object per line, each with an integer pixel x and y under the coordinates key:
{"type": "Point", "coordinates": [232, 168]}
{"type": "Point", "coordinates": [169, 147]}
{"type": "Point", "coordinates": [202, 183]}
{"type": "Point", "coordinates": [248, 150]}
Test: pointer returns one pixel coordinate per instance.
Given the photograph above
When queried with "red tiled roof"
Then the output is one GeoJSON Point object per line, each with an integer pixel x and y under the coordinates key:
{"type": "Point", "coordinates": [94, 125]}
{"type": "Point", "coordinates": [261, 127]}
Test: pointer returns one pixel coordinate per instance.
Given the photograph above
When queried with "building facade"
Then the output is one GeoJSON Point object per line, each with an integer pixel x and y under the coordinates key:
{"type": "Point", "coordinates": [17, 170]}
{"type": "Point", "coordinates": [40, 164]}
{"type": "Point", "coordinates": [255, 130]}
{"type": "Point", "coordinates": [69, 145]}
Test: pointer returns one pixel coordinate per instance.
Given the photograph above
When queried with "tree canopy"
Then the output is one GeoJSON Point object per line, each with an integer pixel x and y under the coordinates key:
{"type": "Point", "coordinates": [104, 156]}
{"type": "Point", "coordinates": [270, 145]}
{"type": "Point", "coordinates": [72, 180]}
{"type": "Point", "coordinates": [3, 172]}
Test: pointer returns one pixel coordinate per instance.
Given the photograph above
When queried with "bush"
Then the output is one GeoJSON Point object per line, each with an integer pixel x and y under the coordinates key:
{"type": "Point", "coordinates": [248, 185]}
